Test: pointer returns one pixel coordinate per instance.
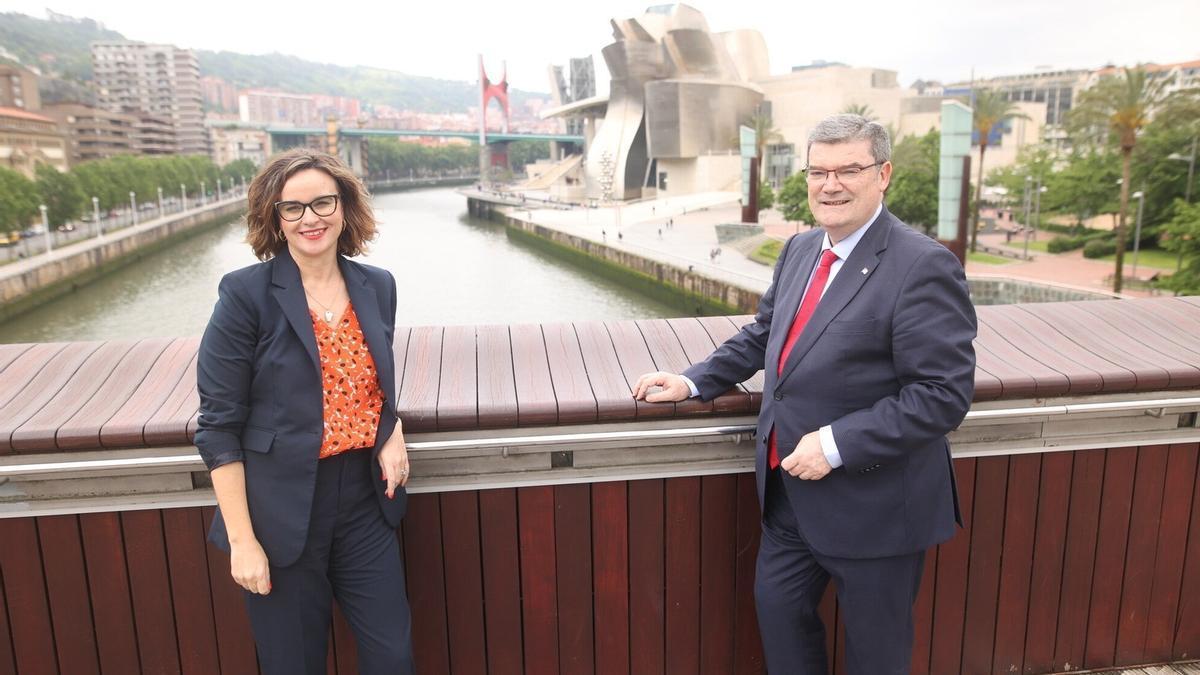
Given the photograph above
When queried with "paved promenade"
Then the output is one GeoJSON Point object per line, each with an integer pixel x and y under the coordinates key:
{"type": "Point", "coordinates": [642, 228]}
{"type": "Point", "coordinates": [1069, 268]}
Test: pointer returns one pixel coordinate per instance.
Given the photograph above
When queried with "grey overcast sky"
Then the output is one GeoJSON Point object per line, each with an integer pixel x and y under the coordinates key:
{"type": "Point", "coordinates": [927, 39]}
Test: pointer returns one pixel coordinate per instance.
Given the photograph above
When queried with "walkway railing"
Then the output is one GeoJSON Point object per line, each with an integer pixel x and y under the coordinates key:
{"type": "Point", "coordinates": [557, 525]}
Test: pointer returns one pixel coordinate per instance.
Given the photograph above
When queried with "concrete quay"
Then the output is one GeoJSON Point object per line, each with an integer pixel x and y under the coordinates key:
{"type": "Point", "coordinates": [32, 281]}
{"type": "Point", "coordinates": [671, 240]}
{"type": "Point", "coordinates": [674, 239]}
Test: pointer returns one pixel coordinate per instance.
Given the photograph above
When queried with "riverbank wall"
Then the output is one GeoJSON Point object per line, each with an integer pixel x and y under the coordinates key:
{"type": "Point", "coordinates": [693, 293]}
{"type": "Point", "coordinates": [403, 184]}
{"type": "Point", "coordinates": [34, 281]}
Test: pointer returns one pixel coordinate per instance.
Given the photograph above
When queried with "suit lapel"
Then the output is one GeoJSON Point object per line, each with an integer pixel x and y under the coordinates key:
{"type": "Point", "coordinates": [366, 306]}
{"type": "Point", "coordinates": [289, 293]}
{"type": "Point", "coordinates": [845, 286]}
{"type": "Point", "coordinates": [789, 302]}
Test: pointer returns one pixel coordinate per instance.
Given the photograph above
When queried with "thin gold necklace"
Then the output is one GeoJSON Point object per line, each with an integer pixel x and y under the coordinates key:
{"type": "Point", "coordinates": [328, 312]}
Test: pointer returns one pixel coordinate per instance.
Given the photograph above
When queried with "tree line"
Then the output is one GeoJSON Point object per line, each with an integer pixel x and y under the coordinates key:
{"type": "Point", "coordinates": [1128, 133]}
{"type": "Point", "coordinates": [393, 158]}
{"type": "Point", "coordinates": [68, 195]}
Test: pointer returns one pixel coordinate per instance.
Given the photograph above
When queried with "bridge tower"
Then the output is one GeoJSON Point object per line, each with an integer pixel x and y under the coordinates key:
{"type": "Point", "coordinates": [492, 155]}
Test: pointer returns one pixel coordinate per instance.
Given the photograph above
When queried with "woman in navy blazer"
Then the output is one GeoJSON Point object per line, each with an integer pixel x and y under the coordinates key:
{"type": "Point", "coordinates": [300, 529]}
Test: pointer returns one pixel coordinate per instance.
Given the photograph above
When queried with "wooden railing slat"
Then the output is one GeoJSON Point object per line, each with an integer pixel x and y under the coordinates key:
{"type": "Point", "coordinates": [610, 565]}
{"type": "Point", "coordinates": [573, 558]}
{"type": "Point", "coordinates": [67, 590]}
{"type": "Point", "coordinates": [464, 582]}
{"type": "Point", "coordinates": [1120, 470]}
{"type": "Point", "coordinates": [647, 597]}
{"type": "Point", "coordinates": [501, 580]}
{"type": "Point", "coordinates": [184, 532]}
{"type": "Point", "coordinates": [423, 561]}
{"type": "Point", "coordinates": [536, 404]}
{"type": "Point", "coordinates": [458, 393]}
{"type": "Point", "coordinates": [1169, 559]}
{"type": "Point", "coordinates": [497, 390]}
{"type": "Point", "coordinates": [108, 585]}
{"type": "Point", "coordinates": [683, 574]}
{"type": "Point", "coordinates": [150, 589]}
{"type": "Point", "coordinates": [539, 596]}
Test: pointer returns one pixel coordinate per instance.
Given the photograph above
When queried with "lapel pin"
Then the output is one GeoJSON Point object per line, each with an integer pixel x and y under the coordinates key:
{"type": "Point", "coordinates": [865, 270]}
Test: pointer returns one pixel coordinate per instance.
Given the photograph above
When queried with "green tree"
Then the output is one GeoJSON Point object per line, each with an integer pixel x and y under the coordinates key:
{"type": "Point", "coordinates": [60, 193]}
{"type": "Point", "coordinates": [793, 200]}
{"type": "Point", "coordinates": [1169, 132]}
{"type": "Point", "coordinates": [1116, 109]}
{"type": "Point", "coordinates": [1182, 235]}
{"type": "Point", "coordinates": [18, 200]}
{"type": "Point", "coordinates": [520, 153]}
{"type": "Point", "coordinates": [913, 193]}
{"type": "Point", "coordinates": [237, 171]}
{"type": "Point", "coordinates": [766, 196]}
{"type": "Point", "coordinates": [765, 133]}
{"type": "Point", "coordinates": [991, 109]}
{"type": "Point", "coordinates": [861, 109]}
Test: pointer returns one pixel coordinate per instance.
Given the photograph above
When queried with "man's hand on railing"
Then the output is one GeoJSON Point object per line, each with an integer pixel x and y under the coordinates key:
{"type": "Point", "coordinates": [673, 388]}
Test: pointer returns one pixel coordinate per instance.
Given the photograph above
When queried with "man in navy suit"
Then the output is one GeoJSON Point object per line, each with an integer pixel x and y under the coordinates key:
{"type": "Point", "coordinates": [865, 337]}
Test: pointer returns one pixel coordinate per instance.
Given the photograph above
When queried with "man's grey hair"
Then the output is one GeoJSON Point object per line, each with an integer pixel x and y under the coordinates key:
{"type": "Point", "coordinates": [846, 128]}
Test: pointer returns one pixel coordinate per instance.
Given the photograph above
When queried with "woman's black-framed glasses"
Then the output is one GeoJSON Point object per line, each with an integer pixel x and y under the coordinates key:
{"type": "Point", "coordinates": [293, 211]}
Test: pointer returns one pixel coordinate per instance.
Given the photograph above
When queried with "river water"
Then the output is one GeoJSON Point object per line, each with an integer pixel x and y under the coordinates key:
{"type": "Point", "coordinates": [449, 268]}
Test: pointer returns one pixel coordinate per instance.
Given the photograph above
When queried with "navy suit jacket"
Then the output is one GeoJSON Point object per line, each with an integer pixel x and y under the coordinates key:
{"type": "Point", "coordinates": [887, 360]}
{"type": "Point", "coordinates": [261, 396]}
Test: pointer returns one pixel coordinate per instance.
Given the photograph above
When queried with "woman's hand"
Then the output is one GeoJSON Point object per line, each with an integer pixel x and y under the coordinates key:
{"type": "Point", "coordinates": [248, 564]}
{"type": "Point", "coordinates": [394, 460]}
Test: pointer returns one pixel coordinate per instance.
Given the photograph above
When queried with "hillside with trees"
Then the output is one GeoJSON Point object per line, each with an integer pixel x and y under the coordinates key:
{"type": "Point", "coordinates": [58, 48]}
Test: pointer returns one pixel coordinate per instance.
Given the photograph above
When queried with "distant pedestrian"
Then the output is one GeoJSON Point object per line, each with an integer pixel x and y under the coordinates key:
{"type": "Point", "coordinates": [660, 233]}
{"type": "Point", "coordinates": [620, 236]}
{"type": "Point", "coordinates": [604, 235]}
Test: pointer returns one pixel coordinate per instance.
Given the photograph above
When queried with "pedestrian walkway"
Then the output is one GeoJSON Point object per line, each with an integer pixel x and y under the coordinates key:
{"type": "Point", "coordinates": [681, 231]}
{"type": "Point", "coordinates": [1069, 268]}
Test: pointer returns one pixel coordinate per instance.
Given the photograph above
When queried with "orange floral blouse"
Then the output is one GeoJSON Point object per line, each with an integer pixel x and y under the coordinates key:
{"type": "Point", "coordinates": [352, 397]}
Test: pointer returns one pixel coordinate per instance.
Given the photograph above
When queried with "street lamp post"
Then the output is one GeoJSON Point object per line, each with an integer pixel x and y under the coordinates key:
{"type": "Point", "coordinates": [203, 193]}
{"type": "Point", "coordinates": [243, 184]}
{"type": "Point", "coordinates": [182, 197]}
{"type": "Point", "coordinates": [1028, 200]}
{"type": "Point", "coordinates": [160, 203]}
{"type": "Point", "coordinates": [218, 188]}
{"type": "Point", "coordinates": [1037, 206]}
{"type": "Point", "coordinates": [1140, 195]}
{"type": "Point", "coordinates": [96, 216]}
{"type": "Point", "coordinates": [46, 227]}
{"type": "Point", "coordinates": [1187, 189]}
{"type": "Point", "coordinates": [133, 206]}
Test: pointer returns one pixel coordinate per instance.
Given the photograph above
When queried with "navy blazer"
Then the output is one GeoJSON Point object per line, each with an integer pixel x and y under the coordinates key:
{"type": "Point", "coordinates": [887, 360]}
{"type": "Point", "coordinates": [261, 396]}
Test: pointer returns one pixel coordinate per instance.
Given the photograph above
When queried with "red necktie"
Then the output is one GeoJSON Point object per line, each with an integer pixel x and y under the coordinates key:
{"type": "Point", "coordinates": [809, 305]}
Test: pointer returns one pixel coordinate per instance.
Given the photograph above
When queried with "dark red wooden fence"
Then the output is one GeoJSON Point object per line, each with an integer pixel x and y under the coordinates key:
{"type": "Point", "coordinates": [1069, 560]}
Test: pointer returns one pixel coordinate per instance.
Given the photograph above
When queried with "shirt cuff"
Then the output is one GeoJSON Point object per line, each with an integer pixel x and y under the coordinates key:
{"type": "Point", "coordinates": [829, 446]}
{"type": "Point", "coordinates": [691, 386]}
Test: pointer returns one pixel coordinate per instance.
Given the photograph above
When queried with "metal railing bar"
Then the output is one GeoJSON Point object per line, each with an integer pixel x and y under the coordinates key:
{"type": "Point", "coordinates": [191, 460]}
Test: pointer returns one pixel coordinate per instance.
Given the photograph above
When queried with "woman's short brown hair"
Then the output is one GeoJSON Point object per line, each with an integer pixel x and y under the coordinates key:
{"type": "Point", "coordinates": [263, 223]}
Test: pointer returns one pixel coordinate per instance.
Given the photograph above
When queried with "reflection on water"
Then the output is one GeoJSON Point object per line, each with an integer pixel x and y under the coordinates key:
{"type": "Point", "coordinates": [450, 269]}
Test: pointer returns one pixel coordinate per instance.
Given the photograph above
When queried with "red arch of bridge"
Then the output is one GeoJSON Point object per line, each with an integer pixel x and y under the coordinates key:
{"type": "Point", "coordinates": [489, 90]}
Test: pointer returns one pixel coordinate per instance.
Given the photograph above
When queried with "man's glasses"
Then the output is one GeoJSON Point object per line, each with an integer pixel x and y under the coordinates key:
{"type": "Point", "coordinates": [845, 174]}
{"type": "Point", "coordinates": [293, 211]}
